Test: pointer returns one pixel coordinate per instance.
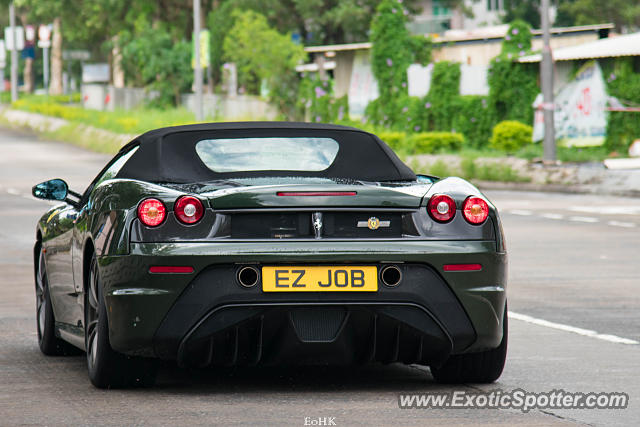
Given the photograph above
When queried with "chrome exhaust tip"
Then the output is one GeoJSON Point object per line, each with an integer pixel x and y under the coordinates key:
{"type": "Point", "coordinates": [391, 276]}
{"type": "Point", "coordinates": [248, 276]}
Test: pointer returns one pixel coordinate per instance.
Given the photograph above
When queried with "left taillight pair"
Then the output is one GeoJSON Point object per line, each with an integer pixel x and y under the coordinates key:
{"type": "Point", "coordinates": [442, 208]}
{"type": "Point", "coordinates": [187, 209]}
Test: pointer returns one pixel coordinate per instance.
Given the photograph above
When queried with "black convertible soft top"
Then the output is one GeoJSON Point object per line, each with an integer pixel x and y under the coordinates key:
{"type": "Point", "coordinates": [169, 155]}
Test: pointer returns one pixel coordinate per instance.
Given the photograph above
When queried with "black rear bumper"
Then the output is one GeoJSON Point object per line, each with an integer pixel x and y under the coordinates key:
{"type": "Point", "coordinates": [217, 321]}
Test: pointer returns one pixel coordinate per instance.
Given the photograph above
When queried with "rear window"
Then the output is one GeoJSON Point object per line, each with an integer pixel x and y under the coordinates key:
{"type": "Point", "coordinates": [264, 154]}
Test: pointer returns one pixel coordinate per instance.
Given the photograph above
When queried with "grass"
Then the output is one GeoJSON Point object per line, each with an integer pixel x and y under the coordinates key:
{"type": "Point", "coordinates": [125, 122]}
{"type": "Point", "coordinates": [470, 169]}
{"type": "Point", "coordinates": [566, 154]}
{"type": "Point", "coordinates": [133, 122]}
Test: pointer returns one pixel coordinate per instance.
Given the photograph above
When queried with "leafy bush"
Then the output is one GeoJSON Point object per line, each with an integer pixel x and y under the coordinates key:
{"type": "Point", "coordinates": [433, 142]}
{"type": "Point", "coordinates": [396, 140]}
{"type": "Point", "coordinates": [316, 98]}
{"type": "Point", "coordinates": [474, 119]}
{"type": "Point", "coordinates": [510, 136]}
{"type": "Point", "coordinates": [623, 82]}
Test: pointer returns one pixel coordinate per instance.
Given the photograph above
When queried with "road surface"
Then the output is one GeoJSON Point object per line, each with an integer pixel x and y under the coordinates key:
{"type": "Point", "coordinates": [574, 294]}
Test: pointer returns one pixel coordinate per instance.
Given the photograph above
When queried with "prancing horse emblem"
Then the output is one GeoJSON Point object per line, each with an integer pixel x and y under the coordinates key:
{"type": "Point", "coordinates": [373, 223]}
{"type": "Point", "coordinates": [316, 220]}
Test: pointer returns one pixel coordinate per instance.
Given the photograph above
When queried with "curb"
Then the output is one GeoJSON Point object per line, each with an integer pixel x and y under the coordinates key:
{"type": "Point", "coordinates": [556, 188]}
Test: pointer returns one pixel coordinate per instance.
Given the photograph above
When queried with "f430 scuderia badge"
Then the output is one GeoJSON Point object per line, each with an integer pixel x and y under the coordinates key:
{"type": "Point", "coordinates": [373, 223]}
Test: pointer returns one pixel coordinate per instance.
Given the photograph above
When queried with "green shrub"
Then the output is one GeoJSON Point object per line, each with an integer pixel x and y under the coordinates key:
{"type": "Point", "coordinates": [433, 142]}
{"type": "Point", "coordinates": [474, 119]}
{"type": "Point", "coordinates": [510, 136]}
{"type": "Point", "coordinates": [396, 140]}
{"type": "Point", "coordinates": [440, 169]}
{"type": "Point", "coordinates": [623, 82]}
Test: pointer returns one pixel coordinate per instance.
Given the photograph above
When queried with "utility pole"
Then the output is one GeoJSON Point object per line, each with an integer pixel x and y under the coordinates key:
{"type": "Point", "coordinates": [14, 53]}
{"type": "Point", "coordinates": [197, 75]}
{"type": "Point", "coordinates": [546, 77]}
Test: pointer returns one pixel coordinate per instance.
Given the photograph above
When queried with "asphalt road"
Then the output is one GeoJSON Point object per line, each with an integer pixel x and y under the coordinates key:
{"type": "Point", "coordinates": [574, 288]}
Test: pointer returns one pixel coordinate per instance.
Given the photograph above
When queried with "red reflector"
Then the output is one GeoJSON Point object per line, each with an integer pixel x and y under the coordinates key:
{"type": "Point", "coordinates": [170, 269]}
{"type": "Point", "coordinates": [463, 267]}
{"type": "Point", "coordinates": [316, 193]}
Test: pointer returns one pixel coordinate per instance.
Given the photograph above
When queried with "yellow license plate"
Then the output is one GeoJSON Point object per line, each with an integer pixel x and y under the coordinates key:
{"type": "Point", "coordinates": [320, 279]}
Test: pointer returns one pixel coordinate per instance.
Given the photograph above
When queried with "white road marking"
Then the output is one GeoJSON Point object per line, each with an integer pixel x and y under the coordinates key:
{"type": "Point", "coordinates": [13, 191]}
{"type": "Point", "coordinates": [607, 210]}
{"type": "Point", "coordinates": [521, 212]}
{"type": "Point", "coordinates": [622, 224]}
{"type": "Point", "coordinates": [583, 219]}
{"type": "Point", "coordinates": [552, 216]}
{"type": "Point", "coordinates": [572, 329]}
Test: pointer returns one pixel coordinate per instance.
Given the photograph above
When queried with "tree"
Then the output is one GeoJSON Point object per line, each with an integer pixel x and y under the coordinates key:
{"type": "Point", "coordinates": [391, 55]}
{"type": "Point", "coordinates": [512, 85]}
{"type": "Point", "coordinates": [263, 54]}
{"type": "Point", "coordinates": [525, 10]}
{"type": "Point", "coordinates": [152, 59]}
{"type": "Point", "coordinates": [624, 14]}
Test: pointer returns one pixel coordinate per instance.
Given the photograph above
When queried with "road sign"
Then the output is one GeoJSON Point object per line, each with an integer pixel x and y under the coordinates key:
{"type": "Point", "coordinates": [205, 56]}
{"type": "Point", "coordinates": [44, 36]}
{"type": "Point", "coordinates": [44, 32]}
{"type": "Point", "coordinates": [80, 55]}
{"type": "Point", "coordinates": [30, 33]}
{"type": "Point", "coordinates": [8, 38]}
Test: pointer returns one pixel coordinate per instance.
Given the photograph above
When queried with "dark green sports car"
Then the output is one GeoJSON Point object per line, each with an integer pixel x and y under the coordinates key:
{"type": "Point", "coordinates": [269, 243]}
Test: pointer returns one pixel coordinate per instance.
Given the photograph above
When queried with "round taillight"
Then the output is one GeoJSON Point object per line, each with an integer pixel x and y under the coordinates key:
{"type": "Point", "coordinates": [152, 212]}
{"type": "Point", "coordinates": [188, 209]}
{"type": "Point", "coordinates": [475, 210]}
{"type": "Point", "coordinates": [441, 208]}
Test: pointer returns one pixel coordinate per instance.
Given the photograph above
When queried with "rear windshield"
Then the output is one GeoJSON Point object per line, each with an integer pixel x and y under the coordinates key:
{"type": "Point", "coordinates": [264, 154]}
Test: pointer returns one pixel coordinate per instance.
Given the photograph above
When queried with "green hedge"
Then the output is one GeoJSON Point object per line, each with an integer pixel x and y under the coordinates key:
{"type": "Point", "coordinates": [434, 142]}
{"type": "Point", "coordinates": [623, 82]}
{"type": "Point", "coordinates": [510, 136]}
{"type": "Point", "coordinates": [422, 142]}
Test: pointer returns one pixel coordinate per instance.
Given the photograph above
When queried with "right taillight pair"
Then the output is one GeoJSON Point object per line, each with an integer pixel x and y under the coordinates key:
{"type": "Point", "coordinates": [187, 209]}
{"type": "Point", "coordinates": [442, 208]}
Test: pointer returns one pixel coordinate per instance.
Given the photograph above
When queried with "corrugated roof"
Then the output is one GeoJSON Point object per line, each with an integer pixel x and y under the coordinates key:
{"type": "Point", "coordinates": [490, 33]}
{"type": "Point", "coordinates": [627, 45]}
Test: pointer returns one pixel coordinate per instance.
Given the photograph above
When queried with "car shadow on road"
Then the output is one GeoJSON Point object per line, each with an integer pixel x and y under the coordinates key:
{"type": "Point", "coordinates": [301, 379]}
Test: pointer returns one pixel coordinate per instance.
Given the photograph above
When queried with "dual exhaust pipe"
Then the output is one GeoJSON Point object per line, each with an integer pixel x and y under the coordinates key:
{"type": "Point", "coordinates": [249, 276]}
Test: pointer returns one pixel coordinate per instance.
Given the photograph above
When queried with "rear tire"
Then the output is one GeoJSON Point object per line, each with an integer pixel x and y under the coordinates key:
{"type": "Point", "coordinates": [482, 367]}
{"type": "Point", "coordinates": [45, 321]}
{"type": "Point", "coordinates": [108, 368]}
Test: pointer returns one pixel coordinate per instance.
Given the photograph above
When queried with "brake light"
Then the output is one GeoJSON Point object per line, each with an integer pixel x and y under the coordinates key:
{"type": "Point", "coordinates": [475, 210]}
{"type": "Point", "coordinates": [441, 208]}
{"type": "Point", "coordinates": [188, 209]}
{"type": "Point", "coordinates": [316, 193]}
{"type": "Point", "coordinates": [152, 212]}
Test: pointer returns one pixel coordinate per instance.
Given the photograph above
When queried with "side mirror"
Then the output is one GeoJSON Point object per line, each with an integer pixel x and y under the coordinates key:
{"type": "Point", "coordinates": [54, 189]}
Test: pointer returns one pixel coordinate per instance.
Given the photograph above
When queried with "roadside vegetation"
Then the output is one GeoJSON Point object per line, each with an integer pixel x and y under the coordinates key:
{"type": "Point", "coordinates": [150, 44]}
